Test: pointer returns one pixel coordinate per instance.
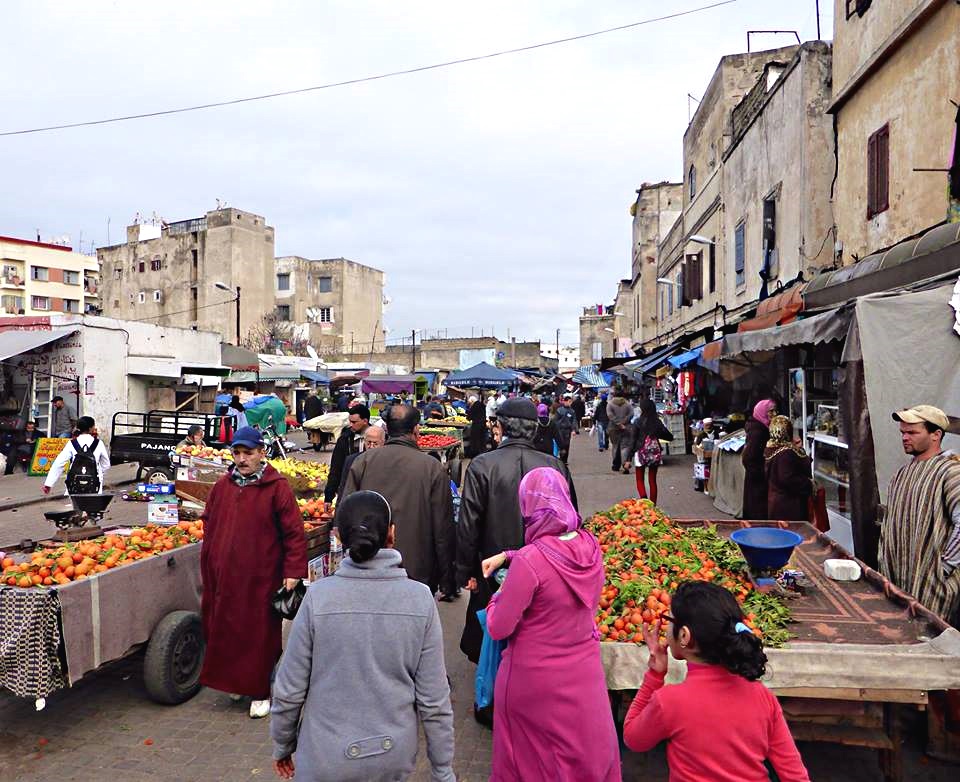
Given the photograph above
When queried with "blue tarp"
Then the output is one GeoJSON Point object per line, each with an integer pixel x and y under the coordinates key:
{"type": "Point", "coordinates": [315, 377]}
{"type": "Point", "coordinates": [590, 377]}
{"type": "Point", "coordinates": [648, 364]}
{"type": "Point", "coordinates": [678, 362]}
{"type": "Point", "coordinates": [481, 375]}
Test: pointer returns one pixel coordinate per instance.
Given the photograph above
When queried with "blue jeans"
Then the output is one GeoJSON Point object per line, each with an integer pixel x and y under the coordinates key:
{"type": "Point", "coordinates": [601, 436]}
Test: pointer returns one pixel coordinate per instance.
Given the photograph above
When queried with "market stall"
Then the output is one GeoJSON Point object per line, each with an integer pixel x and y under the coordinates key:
{"type": "Point", "coordinates": [481, 375]}
{"type": "Point", "coordinates": [843, 655]}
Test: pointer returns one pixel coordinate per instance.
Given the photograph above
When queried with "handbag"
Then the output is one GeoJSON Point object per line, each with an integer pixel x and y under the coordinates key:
{"type": "Point", "coordinates": [817, 509]}
{"type": "Point", "coordinates": [490, 653]}
{"type": "Point", "coordinates": [286, 602]}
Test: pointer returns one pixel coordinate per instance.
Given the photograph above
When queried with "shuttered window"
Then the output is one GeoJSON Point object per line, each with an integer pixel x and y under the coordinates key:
{"type": "Point", "coordinates": [739, 253]}
{"type": "Point", "coordinates": [878, 172]}
{"type": "Point", "coordinates": [693, 278]}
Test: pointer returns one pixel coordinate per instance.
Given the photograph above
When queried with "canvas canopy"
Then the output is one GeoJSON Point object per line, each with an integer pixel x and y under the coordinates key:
{"type": "Point", "coordinates": [388, 384]}
{"type": "Point", "coordinates": [481, 375]}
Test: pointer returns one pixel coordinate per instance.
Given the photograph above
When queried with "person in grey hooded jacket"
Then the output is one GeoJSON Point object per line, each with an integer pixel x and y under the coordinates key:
{"type": "Point", "coordinates": [619, 430]}
{"type": "Point", "coordinates": [364, 660]}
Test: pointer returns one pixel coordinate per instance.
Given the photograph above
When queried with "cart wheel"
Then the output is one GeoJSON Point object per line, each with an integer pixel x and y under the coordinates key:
{"type": "Point", "coordinates": [159, 475]}
{"type": "Point", "coordinates": [171, 669]}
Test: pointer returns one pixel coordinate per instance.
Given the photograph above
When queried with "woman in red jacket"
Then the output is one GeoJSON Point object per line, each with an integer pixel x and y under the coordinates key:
{"type": "Point", "coordinates": [724, 662]}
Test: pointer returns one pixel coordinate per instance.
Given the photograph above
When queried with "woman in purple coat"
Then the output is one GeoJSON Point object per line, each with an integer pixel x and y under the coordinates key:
{"type": "Point", "coordinates": [551, 714]}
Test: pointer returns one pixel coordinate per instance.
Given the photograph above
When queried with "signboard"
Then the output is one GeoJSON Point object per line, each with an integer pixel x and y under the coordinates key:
{"type": "Point", "coordinates": [470, 358]}
{"type": "Point", "coordinates": [46, 450]}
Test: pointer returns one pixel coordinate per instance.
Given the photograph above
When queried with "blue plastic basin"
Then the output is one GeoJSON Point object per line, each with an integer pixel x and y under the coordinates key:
{"type": "Point", "coordinates": [766, 548]}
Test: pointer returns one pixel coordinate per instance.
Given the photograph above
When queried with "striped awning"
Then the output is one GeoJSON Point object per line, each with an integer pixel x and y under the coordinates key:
{"type": "Point", "coordinates": [590, 377]}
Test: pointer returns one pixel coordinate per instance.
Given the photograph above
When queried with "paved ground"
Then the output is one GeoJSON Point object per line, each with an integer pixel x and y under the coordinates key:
{"type": "Point", "coordinates": [105, 728]}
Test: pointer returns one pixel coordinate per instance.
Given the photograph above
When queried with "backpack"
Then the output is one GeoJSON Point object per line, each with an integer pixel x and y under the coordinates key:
{"type": "Point", "coordinates": [83, 477]}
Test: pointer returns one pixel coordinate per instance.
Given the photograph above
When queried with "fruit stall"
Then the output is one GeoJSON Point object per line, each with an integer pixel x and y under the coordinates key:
{"type": "Point", "coordinates": [444, 440]}
{"type": "Point", "coordinates": [844, 655]}
{"type": "Point", "coordinates": [68, 608]}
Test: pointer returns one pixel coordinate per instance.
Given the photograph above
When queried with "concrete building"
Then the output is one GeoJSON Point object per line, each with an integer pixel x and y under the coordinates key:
{"type": "Point", "coordinates": [598, 338]}
{"type": "Point", "coordinates": [759, 164]}
{"type": "Point", "coordinates": [37, 278]}
{"type": "Point", "coordinates": [654, 212]}
{"type": "Point", "coordinates": [569, 357]}
{"type": "Point", "coordinates": [334, 304]}
{"type": "Point", "coordinates": [895, 69]}
{"type": "Point", "coordinates": [168, 273]}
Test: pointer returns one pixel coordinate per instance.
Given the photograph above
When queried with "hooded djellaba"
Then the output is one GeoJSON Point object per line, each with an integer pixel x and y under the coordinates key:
{"type": "Point", "coordinates": [787, 469]}
{"type": "Point", "coordinates": [551, 674]}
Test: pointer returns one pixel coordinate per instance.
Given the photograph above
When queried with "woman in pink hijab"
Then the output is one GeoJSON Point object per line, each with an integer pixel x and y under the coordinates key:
{"type": "Point", "coordinates": [551, 714]}
{"type": "Point", "coordinates": [755, 478]}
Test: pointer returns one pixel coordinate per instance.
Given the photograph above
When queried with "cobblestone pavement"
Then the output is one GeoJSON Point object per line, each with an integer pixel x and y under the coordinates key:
{"type": "Point", "coordinates": [106, 728]}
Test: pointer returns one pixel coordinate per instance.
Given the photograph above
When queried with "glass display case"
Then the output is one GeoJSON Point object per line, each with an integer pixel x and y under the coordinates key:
{"type": "Point", "coordinates": [809, 388]}
{"type": "Point", "coordinates": [831, 459]}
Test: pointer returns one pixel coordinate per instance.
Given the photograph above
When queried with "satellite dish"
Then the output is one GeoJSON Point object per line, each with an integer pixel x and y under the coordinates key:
{"type": "Point", "coordinates": [312, 353]}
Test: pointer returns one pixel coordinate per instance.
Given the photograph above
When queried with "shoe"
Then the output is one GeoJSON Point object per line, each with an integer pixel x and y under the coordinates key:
{"type": "Point", "coordinates": [235, 698]}
{"type": "Point", "coordinates": [259, 709]}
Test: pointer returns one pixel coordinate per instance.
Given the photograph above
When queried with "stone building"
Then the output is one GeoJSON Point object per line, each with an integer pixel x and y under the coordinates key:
{"type": "Point", "coordinates": [334, 304]}
{"type": "Point", "coordinates": [37, 278]}
{"type": "Point", "coordinates": [170, 274]}
{"type": "Point", "coordinates": [895, 69]}
{"type": "Point", "coordinates": [758, 164]}
{"type": "Point", "coordinates": [654, 212]}
{"type": "Point", "coordinates": [598, 335]}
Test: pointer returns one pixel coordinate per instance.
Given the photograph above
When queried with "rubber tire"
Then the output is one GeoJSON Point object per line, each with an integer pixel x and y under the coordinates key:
{"type": "Point", "coordinates": [163, 686]}
{"type": "Point", "coordinates": [150, 472]}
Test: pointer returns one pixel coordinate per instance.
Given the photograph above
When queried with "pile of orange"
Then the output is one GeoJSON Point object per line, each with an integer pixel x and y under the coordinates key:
{"type": "Point", "coordinates": [77, 561]}
{"type": "Point", "coordinates": [314, 508]}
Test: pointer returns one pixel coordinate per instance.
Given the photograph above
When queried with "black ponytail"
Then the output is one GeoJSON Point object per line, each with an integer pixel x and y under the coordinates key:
{"type": "Point", "coordinates": [712, 615]}
{"type": "Point", "coordinates": [363, 519]}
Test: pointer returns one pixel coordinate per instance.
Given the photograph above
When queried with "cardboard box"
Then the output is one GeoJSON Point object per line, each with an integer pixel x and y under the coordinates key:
{"type": "Point", "coordinates": [163, 512]}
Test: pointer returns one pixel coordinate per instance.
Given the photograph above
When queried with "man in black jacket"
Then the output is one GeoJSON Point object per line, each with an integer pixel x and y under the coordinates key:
{"type": "Point", "coordinates": [490, 520]}
{"type": "Point", "coordinates": [350, 441]}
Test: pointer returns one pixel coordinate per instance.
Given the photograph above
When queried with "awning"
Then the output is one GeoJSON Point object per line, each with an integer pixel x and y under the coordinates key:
{"type": "Point", "coordinates": [272, 374]}
{"type": "Point", "coordinates": [239, 359]}
{"type": "Point", "coordinates": [315, 377]}
{"type": "Point", "coordinates": [825, 327]}
{"type": "Point", "coordinates": [15, 342]}
{"type": "Point", "coordinates": [934, 254]}
{"type": "Point", "coordinates": [648, 364]}
{"type": "Point", "coordinates": [589, 377]}
{"type": "Point", "coordinates": [678, 362]}
{"type": "Point", "coordinates": [776, 311]}
{"type": "Point", "coordinates": [171, 368]}
{"type": "Point", "coordinates": [241, 376]}
{"type": "Point", "coordinates": [388, 384]}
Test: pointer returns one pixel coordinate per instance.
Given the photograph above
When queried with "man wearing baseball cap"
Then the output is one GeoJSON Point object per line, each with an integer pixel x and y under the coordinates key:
{"type": "Point", "coordinates": [253, 544]}
{"type": "Point", "coordinates": [920, 536]}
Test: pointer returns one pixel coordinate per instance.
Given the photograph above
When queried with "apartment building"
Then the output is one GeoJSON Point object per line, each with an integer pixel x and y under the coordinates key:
{"type": "Point", "coordinates": [37, 278]}
{"type": "Point", "coordinates": [333, 304]}
{"type": "Point", "coordinates": [188, 273]}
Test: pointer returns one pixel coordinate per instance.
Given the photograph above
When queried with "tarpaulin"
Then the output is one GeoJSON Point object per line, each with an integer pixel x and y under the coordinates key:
{"type": "Point", "coordinates": [388, 384]}
{"type": "Point", "coordinates": [686, 358]}
{"type": "Point", "coordinates": [825, 327]}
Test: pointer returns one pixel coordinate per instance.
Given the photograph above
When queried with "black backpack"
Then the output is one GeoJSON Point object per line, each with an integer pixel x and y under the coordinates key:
{"type": "Point", "coordinates": [82, 477]}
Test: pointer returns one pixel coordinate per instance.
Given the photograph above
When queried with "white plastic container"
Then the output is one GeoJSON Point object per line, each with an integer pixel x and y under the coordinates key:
{"type": "Point", "coordinates": [842, 569]}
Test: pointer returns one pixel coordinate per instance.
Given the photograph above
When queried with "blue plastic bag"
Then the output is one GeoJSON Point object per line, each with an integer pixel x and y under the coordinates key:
{"type": "Point", "coordinates": [490, 653]}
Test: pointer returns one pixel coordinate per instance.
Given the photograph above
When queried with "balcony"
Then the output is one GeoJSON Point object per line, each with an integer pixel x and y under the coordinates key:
{"type": "Point", "coordinates": [11, 281]}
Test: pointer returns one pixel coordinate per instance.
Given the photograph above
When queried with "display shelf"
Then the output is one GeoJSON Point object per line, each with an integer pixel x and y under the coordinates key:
{"type": "Point", "coordinates": [826, 439]}
{"type": "Point", "coordinates": [830, 479]}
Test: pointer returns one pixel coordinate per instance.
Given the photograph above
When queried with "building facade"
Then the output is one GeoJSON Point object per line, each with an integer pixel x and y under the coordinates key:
{"type": "Point", "coordinates": [334, 304]}
{"type": "Point", "coordinates": [654, 212]}
{"type": "Point", "coordinates": [39, 278]}
{"type": "Point", "coordinates": [895, 69]}
{"type": "Point", "coordinates": [598, 336]}
{"type": "Point", "coordinates": [186, 274]}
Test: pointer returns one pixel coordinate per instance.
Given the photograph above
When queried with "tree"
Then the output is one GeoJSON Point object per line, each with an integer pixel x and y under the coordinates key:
{"type": "Point", "coordinates": [272, 333]}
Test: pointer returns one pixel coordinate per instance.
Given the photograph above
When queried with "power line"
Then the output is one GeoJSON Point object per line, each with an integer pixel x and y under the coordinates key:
{"type": "Point", "coordinates": [377, 77]}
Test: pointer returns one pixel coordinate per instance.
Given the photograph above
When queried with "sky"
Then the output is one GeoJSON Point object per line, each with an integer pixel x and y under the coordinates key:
{"type": "Point", "coordinates": [494, 194]}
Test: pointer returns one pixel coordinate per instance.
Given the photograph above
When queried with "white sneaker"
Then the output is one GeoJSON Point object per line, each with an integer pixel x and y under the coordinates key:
{"type": "Point", "coordinates": [259, 709]}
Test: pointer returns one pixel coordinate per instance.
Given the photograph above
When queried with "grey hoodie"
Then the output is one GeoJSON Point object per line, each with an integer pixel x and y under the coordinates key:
{"type": "Point", "coordinates": [620, 411]}
{"type": "Point", "coordinates": [364, 659]}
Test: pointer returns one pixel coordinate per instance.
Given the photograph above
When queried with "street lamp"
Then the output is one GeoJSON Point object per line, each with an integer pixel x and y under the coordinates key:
{"type": "Point", "coordinates": [701, 240]}
{"type": "Point", "coordinates": [228, 289]}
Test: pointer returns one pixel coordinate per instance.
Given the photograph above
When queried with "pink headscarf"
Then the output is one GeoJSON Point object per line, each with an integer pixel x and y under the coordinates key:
{"type": "Point", "coordinates": [764, 410]}
{"type": "Point", "coordinates": [545, 505]}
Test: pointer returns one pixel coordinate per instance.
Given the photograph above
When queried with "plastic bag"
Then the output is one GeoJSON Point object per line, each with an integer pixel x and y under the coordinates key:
{"type": "Point", "coordinates": [490, 653]}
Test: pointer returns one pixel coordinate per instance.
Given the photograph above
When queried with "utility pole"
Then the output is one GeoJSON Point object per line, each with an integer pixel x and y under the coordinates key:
{"type": "Point", "coordinates": [413, 350]}
{"type": "Point", "coordinates": [558, 351]}
{"type": "Point", "coordinates": [238, 316]}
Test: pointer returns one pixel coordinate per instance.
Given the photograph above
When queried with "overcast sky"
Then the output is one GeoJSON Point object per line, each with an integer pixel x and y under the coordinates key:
{"type": "Point", "coordinates": [493, 194]}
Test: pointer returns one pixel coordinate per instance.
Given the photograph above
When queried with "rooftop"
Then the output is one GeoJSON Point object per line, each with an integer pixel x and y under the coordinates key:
{"type": "Point", "coordinates": [31, 243]}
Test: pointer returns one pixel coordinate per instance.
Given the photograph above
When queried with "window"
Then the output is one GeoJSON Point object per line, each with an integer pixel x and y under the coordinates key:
{"type": "Point", "coordinates": [71, 305]}
{"type": "Point", "coordinates": [739, 253]}
{"type": "Point", "coordinates": [596, 351]}
{"type": "Point", "coordinates": [878, 172]}
{"type": "Point", "coordinates": [158, 296]}
{"type": "Point", "coordinates": [770, 256]}
{"type": "Point", "coordinates": [142, 297]}
{"type": "Point", "coordinates": [283, 311]}
{"type": "Point", "coordinates": [11, 305]}
{"type": "Point", "coordinates": [117, 273]}
{"type": "Point", "coordinates": [669, 299]}
{"type": "Point", "coordinates": [693, 278]}
{"type": "Point", "coordinates": [325, 284]}
{"type": "Point", "coordinates": [71, 278]}
{"type": "Point", "coordinates": [283, 282]}
{"type": "Point", "coordinates": [326, 314]}
{"type": "Point", "coordinates": [132, 297]}
{"type": "Point", "coordinates": [194, 257]}
{"type": "Point", "coordinates": [692, 181]}
{"type": "Point", "coordinates": [40, 302]}
{"type": "Point", "coordinates": [141, 266]}
{"type": "Point", "coordinates": [713, 265]}
{"type": "Point", "coordinates": [858, 7]}
{"type": "Point", "coordinates": [156, 264]}
{"type": "Point", "coordinates": [41, 273]}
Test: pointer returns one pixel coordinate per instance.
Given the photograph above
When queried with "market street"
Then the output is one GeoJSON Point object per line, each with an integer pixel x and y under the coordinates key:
{"type": "Point", "coordinates": [106, 726]}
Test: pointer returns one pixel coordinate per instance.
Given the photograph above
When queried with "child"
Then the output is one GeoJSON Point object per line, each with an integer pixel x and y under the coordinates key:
{"type": "Point", "coordinates": [721, 723]}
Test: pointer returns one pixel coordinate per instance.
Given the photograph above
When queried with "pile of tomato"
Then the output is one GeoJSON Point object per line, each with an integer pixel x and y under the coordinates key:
{"type": "Point", "coordinates": [77, 561]}
{"type": "Point", "coordinates": [646, 556]}
{"type": "Point", "coordinates": [435, 441]}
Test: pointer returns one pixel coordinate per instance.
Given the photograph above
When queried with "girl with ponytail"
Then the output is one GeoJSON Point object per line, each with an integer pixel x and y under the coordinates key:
{"type": "Point", "coordinates": [721, 722]}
